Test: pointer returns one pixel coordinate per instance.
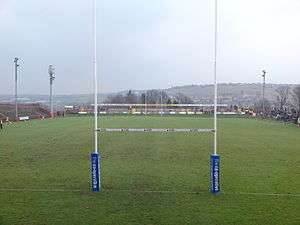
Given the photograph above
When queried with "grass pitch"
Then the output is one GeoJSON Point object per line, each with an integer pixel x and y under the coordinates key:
{"type": "Point", "coordinates": [153, 178]}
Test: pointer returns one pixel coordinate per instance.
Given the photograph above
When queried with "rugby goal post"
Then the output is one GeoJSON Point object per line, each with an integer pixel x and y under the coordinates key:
{"type": "Point", "coordinates": [214, 157]}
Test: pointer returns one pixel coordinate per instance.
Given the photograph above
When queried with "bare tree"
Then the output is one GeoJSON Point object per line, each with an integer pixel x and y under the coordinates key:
{"type": "Point", "coordinates": [131, 97]}
{"type": "Point", "coordinates": [155, 96]}
{"type": "Point", "coordinates": [164, 97]}
{"type": "Point", "coordinates": [142, 98]}
{"type": "Point", "coordinates": [183, 99]}
{"type": "Point", "coordinates": [150, 97]}
{"type": "Point", "coordinates": [115, 99]}
{"type": "Point", "coordinates": [260, 104]}
{"type": "Point", "coordinates": [296, 94]}
{"type": "Point", "coordinates": [282, 95]}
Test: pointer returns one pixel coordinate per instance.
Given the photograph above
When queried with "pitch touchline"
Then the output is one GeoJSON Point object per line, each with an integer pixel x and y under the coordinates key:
{"type": "Point", "coordinates": [150, 191]}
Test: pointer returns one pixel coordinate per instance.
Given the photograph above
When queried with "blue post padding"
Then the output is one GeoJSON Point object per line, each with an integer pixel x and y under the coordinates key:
{"type": "Point", "coordinates": [215, 173]}
{"type": "Point", "coordinates": [95, 169]}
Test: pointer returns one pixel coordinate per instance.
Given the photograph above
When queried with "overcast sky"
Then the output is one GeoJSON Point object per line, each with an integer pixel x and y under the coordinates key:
{"type": "Point", "coordinates": [146, 43]}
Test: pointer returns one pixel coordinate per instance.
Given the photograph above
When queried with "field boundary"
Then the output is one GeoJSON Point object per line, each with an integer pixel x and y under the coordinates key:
{"type": "Point", "coordinates": [149, 191]}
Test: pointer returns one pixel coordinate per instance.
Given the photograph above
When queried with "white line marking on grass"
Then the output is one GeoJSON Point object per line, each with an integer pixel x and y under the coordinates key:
{"type": "Point", "coordinates": [204, 192]}
{"type": "Point", "coordinates": [39, 190]}
{"type": "Point", "coordinates": [148, 191]}
{"type": "Point", "coordinates": [265, 194]}
{"type": "Point", "coordinates": [160, 130]}
{"type": "Point", "coordinates": [156, 191]}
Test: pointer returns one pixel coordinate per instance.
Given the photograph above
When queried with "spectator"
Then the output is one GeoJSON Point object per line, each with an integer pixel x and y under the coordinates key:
{"type": "Point", "coordinates": [1, 125]}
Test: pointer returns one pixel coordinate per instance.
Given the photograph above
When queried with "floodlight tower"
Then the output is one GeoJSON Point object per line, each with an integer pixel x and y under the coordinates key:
{"type": "Point", "coordinates": [263, 97]}
{"type": "Point", "coordinates": [16, 88]}
{"type": "Point", "coordinates": [145, 103]}
{"type": "Point", "coordinates": [215, 158]}
{"type": "Point", "coordinates": [161, 102]}
{"type": "Point", "coordinates": [51, 77]}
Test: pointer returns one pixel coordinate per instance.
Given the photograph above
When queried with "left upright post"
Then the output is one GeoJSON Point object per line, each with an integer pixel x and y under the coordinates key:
{"type": "Point", "coordinates": [95, 156]}
{"type": "Point", "coordinates": [16, 88]}
{"type": "Point", "coordinates": [215, 158]}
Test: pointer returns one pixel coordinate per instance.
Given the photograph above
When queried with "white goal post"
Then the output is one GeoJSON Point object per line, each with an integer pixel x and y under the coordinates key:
{"type": "Point", "coordinates": [95, 156]}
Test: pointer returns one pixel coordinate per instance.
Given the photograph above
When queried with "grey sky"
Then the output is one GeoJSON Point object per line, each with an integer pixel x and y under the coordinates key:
{"type": "Point", "coordinates": [147, 43]}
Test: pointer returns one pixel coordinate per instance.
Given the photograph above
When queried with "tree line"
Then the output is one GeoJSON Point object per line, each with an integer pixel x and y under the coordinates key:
{"type": "Point", "coordinates": [148, 97]}
{"type": "Point", "coordinates": [287, 99]}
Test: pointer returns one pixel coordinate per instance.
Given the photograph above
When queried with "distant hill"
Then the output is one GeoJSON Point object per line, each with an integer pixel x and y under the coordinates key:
{"type": "Point", "coordinates": [59, 100]}
{"type": "Point", "coordinates": [232, 93]}
{"type": "Point", "coordinates": [245, 94]}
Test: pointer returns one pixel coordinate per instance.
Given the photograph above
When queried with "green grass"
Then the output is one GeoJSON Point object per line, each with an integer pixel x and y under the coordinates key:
{"type": "Point", "coordinates": [256, 157]}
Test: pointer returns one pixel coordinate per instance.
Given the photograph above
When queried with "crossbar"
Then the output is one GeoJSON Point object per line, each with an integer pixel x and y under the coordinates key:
{"type": "Point", "coordinates": [167, 105]}
{"type": "Point", "coordinates": [159, 130]}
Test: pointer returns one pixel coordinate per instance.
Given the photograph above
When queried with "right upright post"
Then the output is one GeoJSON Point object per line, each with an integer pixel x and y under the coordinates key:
{"type": "Point", "coordinates": [215, 158]}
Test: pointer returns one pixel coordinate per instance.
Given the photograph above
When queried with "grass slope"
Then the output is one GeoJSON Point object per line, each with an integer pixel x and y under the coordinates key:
{"type": "Point", "coordinates": [256, 157]}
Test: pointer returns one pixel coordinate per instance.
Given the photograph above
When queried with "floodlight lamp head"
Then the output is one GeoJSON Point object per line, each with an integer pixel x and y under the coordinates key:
{"type": "Point", "coordinates": [51, 71]}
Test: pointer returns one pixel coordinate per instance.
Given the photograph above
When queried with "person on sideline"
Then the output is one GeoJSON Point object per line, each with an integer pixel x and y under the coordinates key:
{"type": "Point", "coordinates": [1, 125]}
